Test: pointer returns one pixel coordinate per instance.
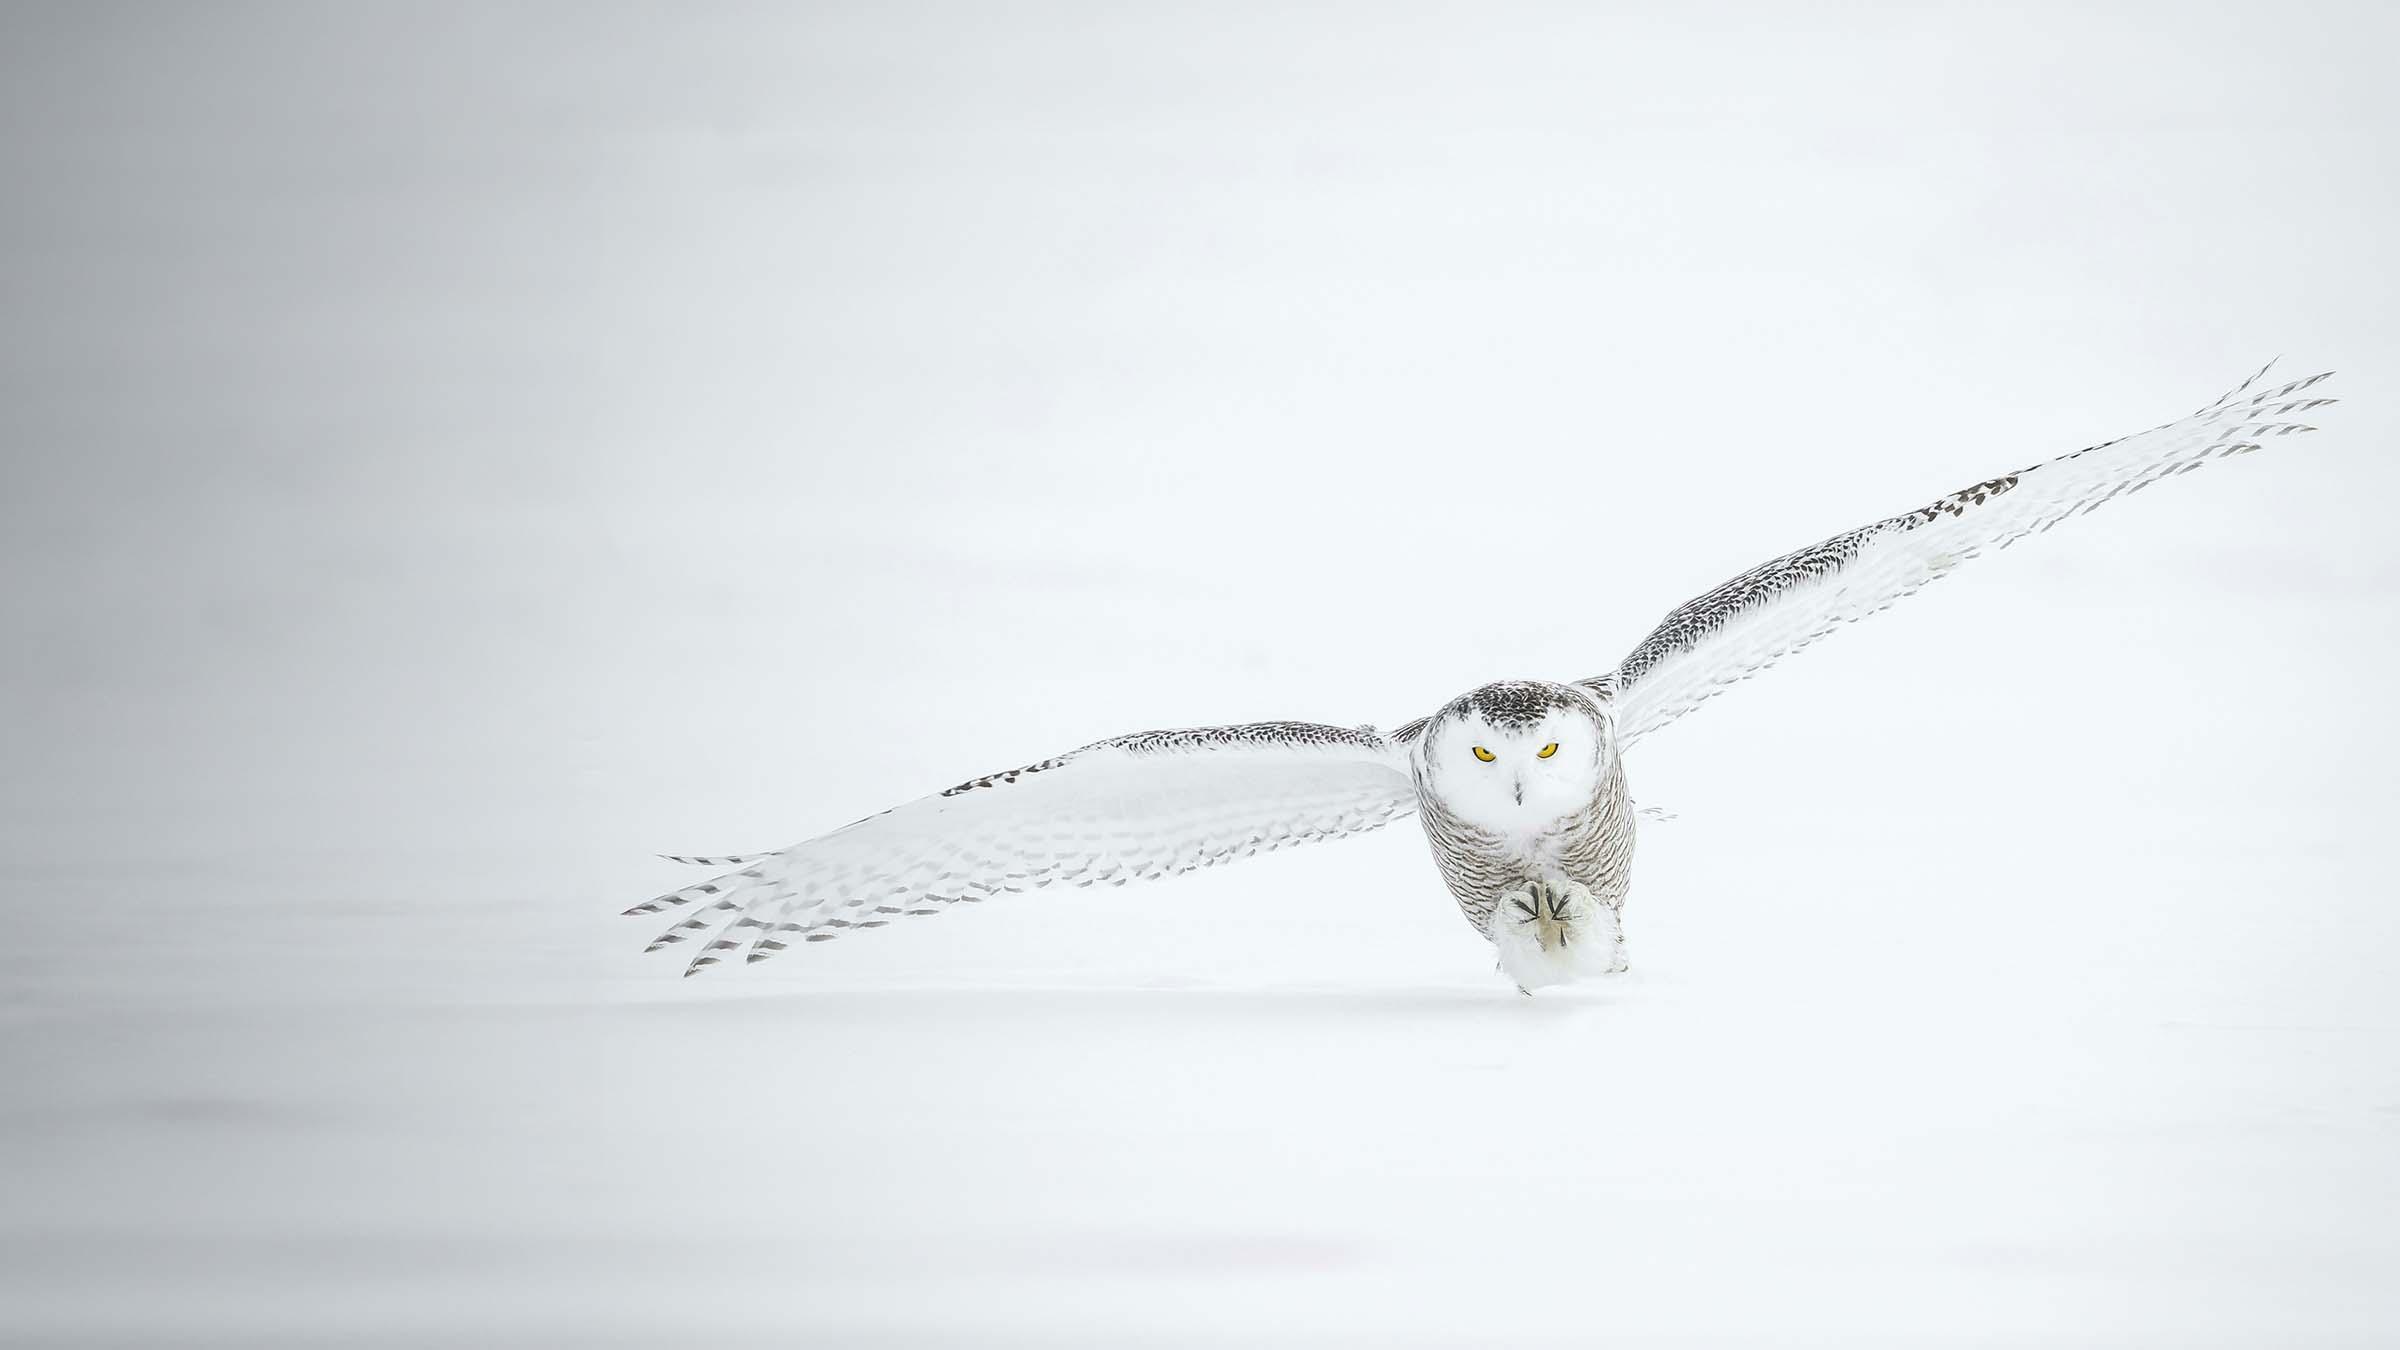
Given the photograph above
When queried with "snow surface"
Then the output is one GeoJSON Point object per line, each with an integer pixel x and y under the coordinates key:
{"type": "Point", "coordinates": [451, 461]}
{"type": "Point", "coordinates": [2080, 1052]}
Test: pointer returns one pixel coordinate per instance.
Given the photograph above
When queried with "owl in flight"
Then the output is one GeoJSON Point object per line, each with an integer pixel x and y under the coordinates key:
{"type": "Point", "coordinates": [1519, 786]}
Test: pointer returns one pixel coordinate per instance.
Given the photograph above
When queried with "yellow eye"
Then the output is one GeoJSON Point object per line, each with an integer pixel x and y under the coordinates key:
{"type": "Point", "coordinates": [1485, 755]}
{"type": "Point", "coordinates": [1546, 751]}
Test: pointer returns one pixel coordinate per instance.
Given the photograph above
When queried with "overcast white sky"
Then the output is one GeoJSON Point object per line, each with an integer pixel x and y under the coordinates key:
{"type": "Point", "coordinates": [445, 430]}
{"type": "Point", "coordinates": [452, 454]}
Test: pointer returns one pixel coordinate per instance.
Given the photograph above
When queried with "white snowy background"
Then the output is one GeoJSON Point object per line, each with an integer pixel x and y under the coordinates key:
{"type": "Point", "coordinates": [452, 455]}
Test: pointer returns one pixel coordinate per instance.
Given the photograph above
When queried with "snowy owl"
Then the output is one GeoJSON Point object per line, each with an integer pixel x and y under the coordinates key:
{"type": "Point", "coordinates": [1519, 785]}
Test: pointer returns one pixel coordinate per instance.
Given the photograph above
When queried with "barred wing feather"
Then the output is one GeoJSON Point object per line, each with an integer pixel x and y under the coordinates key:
{"type": "Point", "coordinates": [1145, 805]}
{"type": "Point", "coordinates": [1731, 633]}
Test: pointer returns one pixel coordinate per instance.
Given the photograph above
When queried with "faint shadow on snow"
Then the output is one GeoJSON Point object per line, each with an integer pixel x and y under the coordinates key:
{"type": "Point", "coordinates": [1148, 1001]}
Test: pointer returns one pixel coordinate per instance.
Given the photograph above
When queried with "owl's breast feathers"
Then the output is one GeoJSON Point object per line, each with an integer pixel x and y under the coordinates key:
{"type": "Point", "coordinates": [1593, 846]}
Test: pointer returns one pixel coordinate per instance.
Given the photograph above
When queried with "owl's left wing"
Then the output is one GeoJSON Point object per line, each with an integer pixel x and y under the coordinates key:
{"type": "Point", "coordinates": [1146, 805]}
{"type": "Point", "coordinates": [1731, 633]}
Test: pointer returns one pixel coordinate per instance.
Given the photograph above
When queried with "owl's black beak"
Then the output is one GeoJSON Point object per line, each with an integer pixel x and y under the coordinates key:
{"type": "Point", "coordinates": [1520, 789]}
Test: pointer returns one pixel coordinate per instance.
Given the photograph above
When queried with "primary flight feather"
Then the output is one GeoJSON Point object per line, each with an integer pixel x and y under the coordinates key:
{"type": "Point", "coordinates": [1520, 785]}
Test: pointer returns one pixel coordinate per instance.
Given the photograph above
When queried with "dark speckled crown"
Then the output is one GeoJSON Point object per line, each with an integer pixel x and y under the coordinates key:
{"type": "Point", "coordinates": [1518, 704]}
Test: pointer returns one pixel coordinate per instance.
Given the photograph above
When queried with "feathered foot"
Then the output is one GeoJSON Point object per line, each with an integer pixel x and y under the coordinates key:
{"type": "Point", "coordinates": [1552, 932]}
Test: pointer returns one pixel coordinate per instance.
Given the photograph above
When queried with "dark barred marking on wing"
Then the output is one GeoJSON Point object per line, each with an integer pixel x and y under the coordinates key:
{"type": "Point", "coordinates": [1009, 776]}
{"type": "Point", "coordinates": [1192, 738]}
{"type": "Point", "coordinates": [1256, 733]}
{"type": "Point", "coordinates": [1741, 627]}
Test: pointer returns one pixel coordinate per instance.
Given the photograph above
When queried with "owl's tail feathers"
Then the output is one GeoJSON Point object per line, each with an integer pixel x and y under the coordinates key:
{"type": "Point", "coordinates": [715, 859]}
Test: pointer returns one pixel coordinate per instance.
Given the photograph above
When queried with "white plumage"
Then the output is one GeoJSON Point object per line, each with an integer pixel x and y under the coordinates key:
{"type": "Point", "coordinates": [1133, 807]}
{"type": "Point", "coordinates": [1520, 784]}
{"type": "Point", "coordinates": [1748, 623]}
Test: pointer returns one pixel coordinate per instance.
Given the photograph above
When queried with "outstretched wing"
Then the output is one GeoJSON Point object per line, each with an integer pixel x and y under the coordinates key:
{"type": "Point", "coordinates": [1750, 622]}
{"type": "Point", "coordinates": [1146, 805]}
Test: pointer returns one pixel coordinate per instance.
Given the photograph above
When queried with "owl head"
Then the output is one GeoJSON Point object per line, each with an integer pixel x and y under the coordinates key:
{"type": "Point", "coordinates": [1517, 755]}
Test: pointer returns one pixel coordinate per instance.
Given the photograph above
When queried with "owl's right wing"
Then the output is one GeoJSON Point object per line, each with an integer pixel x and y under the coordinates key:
{"type": "Point", "coordinates": [1709, 643]}
{"type": "Point", "coordinates": [1146, 805]}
